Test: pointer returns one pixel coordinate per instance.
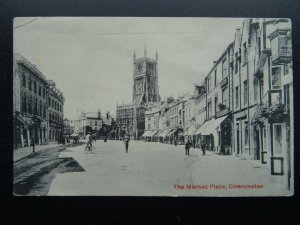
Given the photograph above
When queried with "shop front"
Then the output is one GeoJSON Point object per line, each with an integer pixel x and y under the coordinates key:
{"type": "Point", "coordinates": [216, 135]}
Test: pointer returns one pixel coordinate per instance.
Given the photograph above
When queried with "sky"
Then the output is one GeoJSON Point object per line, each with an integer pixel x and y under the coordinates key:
{"type": "Point", "coordinates": [91, 58]}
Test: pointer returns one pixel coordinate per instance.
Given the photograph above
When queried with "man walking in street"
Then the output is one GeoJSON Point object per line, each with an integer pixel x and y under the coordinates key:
{"type": "Point", "coordinates": [126, 142]}
{"type": "Point", "coordinates": [203, 147]}
{"type": "Point", "coordinates": [187, 147]}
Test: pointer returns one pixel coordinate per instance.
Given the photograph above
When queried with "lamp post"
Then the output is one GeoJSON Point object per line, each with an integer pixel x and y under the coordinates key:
{"type": "Point", "coordinates": [33, 133]}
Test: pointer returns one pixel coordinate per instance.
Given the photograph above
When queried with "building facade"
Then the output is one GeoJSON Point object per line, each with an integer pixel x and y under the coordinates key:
{"type": "Point", "coordinates": [31, 91]}
{"type": "Point", "coordinates": [215, 132]}
{"type": "Point", "coordinates": [94, 122]}
{"type": "Point", "coordinates": [200, 110]}
{"type": "Point", "coordinates": [125, 119]}
{"type": "Point", "coordinates": [56, 116]}
{"type": "Point", "coordinates": [271, 133]}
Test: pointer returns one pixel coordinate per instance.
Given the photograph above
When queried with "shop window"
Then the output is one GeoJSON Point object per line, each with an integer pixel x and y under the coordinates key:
{"type": "Point", "coordinates": [277, 138]}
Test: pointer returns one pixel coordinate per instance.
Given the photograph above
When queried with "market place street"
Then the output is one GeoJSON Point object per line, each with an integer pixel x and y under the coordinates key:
{"type": "Point", "coordinates": [156, 169]}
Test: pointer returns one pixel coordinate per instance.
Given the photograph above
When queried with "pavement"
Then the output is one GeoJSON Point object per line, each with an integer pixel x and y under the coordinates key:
{"type": "Point", "coordinates": [156, 169]}
{"type": "Point", "coordinates": [21, 153]}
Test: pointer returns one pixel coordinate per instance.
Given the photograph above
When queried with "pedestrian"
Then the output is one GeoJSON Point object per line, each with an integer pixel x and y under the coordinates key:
{"type": "Point", "coordinates": [203, 147]}
{"type": "Point", "coordinates": [187, 147]}
{"type": "Point", "coordinates": [126, 142]}
{"type": "Point", "coordinates": [194, 143]}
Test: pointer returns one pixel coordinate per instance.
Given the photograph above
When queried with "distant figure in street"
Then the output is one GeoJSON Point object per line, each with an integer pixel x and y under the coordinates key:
{"type": "Point", "coordinates": [187, 147]}
{"type": "Point", "coordinates": [203, 147]}
{"type": "Point", "coordinates": [175, 141]}
{"type": "Point", "coordinates": [89, 139]}
{"type": "Point", "coordinates": [126, 142]}
{"type": "Point", "coordinates": [194, 143]}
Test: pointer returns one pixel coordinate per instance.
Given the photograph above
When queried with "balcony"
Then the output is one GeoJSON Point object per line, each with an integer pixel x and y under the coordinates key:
{"type": "Point", "coordinates": [281, 43]}
{"type": "Point", "coordinates": [272, 97]}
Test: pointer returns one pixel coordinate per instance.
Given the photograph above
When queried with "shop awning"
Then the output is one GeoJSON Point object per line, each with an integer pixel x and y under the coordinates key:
{"type": "Point", "coordinates": [171, 133]}
{"type": "Point", "coordinates": [190, 130]}
{"type": "Point", "coordinates": [147, 133]}
{"type": "Point", "coordinates": [153, 133]}
{"type": "Point", "coordinates": [158, 133]}
{"type": "Point", "coordinates": [210, 126]}
{"type": "Point", "coordinates": [164, 133]}
{"type": "Point", "coordinates": [200, 129]}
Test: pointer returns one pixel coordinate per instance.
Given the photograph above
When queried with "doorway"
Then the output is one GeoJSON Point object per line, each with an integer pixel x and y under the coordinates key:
{"type": "Point", "coordinates": [257, 145]}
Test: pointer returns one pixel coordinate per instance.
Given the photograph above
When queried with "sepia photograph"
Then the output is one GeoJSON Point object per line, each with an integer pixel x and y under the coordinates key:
{"type": "Point", "coordinates": [153, 106]}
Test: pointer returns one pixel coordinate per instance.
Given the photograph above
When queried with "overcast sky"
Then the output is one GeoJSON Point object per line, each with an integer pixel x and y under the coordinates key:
{"type": "Point", "coordinates": [90, 59]}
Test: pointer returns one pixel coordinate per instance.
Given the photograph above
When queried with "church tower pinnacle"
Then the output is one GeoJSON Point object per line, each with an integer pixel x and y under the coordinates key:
{"type": "Point", "coordinates": [145, 51]}
{"type": "Point", "coordinates": [134, 56]}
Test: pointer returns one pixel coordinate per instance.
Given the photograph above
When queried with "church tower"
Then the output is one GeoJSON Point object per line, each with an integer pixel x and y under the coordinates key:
{"type": "Point", "coordinates": [145, 80]}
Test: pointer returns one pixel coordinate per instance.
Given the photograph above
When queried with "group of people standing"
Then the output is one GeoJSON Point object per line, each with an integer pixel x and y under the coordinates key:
{"type": "Point", "coordinates": [189, 144]}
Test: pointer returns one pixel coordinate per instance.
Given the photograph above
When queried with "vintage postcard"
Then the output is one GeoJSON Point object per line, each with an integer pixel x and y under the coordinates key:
{"type": "Point", "coordinates": [149, 106]}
